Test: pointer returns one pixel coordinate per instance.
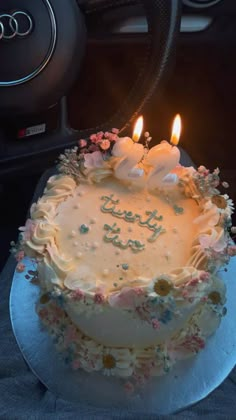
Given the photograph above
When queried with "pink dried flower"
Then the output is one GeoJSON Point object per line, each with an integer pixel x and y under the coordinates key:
{"type": "Point", "coordinates": [231, 250]}
{"type": "Point", "coordinates": [93, 148]}
{"type": "Point", "coordinates": [155, 324]}
{"type": "Point", "coordinates": [20, 267]}
{"type": "Point", "coordinates": [105, 144]}
{"type": "Point", "coordinates": [99, 298]}
{"type": "Point", "coordinates": [19, 256]}
{"type": "Point", "coordinates": [204, 299]}
{"type": "Point", "coordinates": [96, 138]}
{"type": "Point", "coordinates": [82, 143]}
{"type": "Point", "coordinates": [93, 138]}
{"type": "Point", "coordinates": [115, 130]}
{"type": "Point", "coordinates": [129, 388]}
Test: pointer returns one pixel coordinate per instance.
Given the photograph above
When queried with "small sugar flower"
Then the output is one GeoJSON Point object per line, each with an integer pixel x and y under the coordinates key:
{"type": "Point", "coordinates": [28, 229]}
{"type": "Point", "coordinates": [204, 276]}
{"type": "Point", "coordinates": [77, 295]}
{"type": "Point", "coordinates": [76, 364]}
{"type": "Point", "coordinates": [161, 286]}
{"type": "Point", "coordinates": [19, 256]}
{"type": "Point", "coordinates": [99, 298]}
{"type": "Point", "coordinates": [129, 387]}
{"type": "Point", "coordinates": [20, 267]}
{"type": "Point", "coordinates": [118, 362]}
{"type": "Point", "coordinates": [155, 324]}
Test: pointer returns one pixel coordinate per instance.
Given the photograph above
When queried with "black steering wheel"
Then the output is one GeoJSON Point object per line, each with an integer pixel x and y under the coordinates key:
{"type": "Point", "coordinates": [42, 43]}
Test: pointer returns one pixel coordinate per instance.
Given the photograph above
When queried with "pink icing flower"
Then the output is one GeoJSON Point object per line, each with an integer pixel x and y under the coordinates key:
{"type": "Point", "coordinates": [19, 256]}
{"type": "Point", "coordinates": [93, 160]}
{"type": "Point", "coordinates": [129, 388]}
{"type": "Point", "coordinates": [204, 276]}
{"type": "Point", "coordinates": [99, 298]}
{"type": "Point", "coordinates": [193, 282]}
{"type": "Point", "coordinates": [105, 144]}
{"type": "Point", "coordinates": [185, 294]}
{"type": "Point", "coordinates": [124, 299]}
{"type": "Point", "coordinates": [155, 324]}
{"type": "Point", "coordinates": [28, 229]}
{"type": "Point", "coordinates": [20, 267]}
{"type": "Point", "coordinates": [43, 313]}
{"type": "Point", "coordinates": [70, 335]}
{"type": "Point", "coordinates": [82, 143]}
{"type": "Point", "coordinates": [77, 294]}
{"type": "Point", "coordinates": [75, 364]}
{"type": "Point", "coordinates": [139, 291]}
{"type": "Point", "coordinates": [231, 250]}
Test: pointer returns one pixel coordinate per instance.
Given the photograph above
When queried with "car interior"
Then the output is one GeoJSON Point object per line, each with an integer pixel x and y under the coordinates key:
{"type": "Point", "coordinates": [72, 68]}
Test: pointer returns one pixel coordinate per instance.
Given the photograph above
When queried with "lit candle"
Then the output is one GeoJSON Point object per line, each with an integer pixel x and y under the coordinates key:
{"type": "Point", "coordinates": [130, 153]}
{"type": "Point", "coordinates": [164, 158]}
{"type": "Point", "coordinates": [138, 128]}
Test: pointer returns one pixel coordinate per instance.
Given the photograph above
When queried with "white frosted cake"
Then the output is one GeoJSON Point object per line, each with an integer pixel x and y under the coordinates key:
{"type": "Point", "coordinates": [128, 250]}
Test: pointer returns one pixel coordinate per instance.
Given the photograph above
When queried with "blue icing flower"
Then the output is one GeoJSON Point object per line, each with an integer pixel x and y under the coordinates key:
{"type": "Point", "coordinates": [83, 229]}
{"type": "Point", "coordinates": [166, 316]}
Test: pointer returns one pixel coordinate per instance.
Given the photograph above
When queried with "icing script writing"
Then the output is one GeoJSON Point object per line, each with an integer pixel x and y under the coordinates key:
{"type": "Point", "coordinates": [113, 237]}
{"type": "Point", "coordinates": [149, 221]}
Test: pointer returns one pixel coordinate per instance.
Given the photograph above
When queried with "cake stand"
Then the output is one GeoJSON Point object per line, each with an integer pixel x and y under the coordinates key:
{"type": "Point", "coordinates": [187, 383]}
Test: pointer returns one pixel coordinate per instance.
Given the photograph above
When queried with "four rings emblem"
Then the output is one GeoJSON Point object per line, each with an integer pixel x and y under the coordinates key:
{"type": "Point", "coordinates": [17, 24]}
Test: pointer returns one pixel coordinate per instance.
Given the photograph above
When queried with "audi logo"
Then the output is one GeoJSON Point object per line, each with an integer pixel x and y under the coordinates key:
{"type": "Point", "coordinates": [17, 24]}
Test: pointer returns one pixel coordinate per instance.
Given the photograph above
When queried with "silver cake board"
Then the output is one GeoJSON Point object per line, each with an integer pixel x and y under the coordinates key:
{"type": "Point", "coordinates": [187, 383]}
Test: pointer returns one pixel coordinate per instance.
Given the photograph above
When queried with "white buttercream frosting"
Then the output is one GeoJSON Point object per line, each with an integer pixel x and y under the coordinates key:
{"type": "Point", "coordinates": [130, 263]}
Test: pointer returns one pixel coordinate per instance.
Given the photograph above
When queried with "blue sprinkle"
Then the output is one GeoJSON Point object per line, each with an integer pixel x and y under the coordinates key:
{"type": "Point", "coordinates": [84, 229]}
{"type": "Point", "coordinates": [125, 266]}
{"type": "Point", "coordinates": [177, 209]}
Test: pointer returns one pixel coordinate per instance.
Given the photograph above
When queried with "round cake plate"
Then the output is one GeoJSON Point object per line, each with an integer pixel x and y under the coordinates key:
{"type": "Point", "coordinates": [187, 383]}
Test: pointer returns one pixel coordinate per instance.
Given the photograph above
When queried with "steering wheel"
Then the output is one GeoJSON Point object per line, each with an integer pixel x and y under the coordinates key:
{"type": "Point", "coordinates": [42, 44]}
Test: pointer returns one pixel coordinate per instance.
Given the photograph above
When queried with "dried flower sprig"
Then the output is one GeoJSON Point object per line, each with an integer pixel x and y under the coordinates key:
{"type": "Point", "coordinates": [89, 154]}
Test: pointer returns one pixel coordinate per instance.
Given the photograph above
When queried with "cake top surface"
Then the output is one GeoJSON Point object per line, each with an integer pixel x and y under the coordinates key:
{"type": "Point", "coordinates": [121, 236]}
{"type": "Point", "coordinates": [103, 225]}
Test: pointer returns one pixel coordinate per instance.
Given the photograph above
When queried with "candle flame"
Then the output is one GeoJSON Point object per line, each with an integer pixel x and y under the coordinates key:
{"type": "Point", "coordinates": [176, 130]}
{"type": "Point", "coordinates": [138, 128]}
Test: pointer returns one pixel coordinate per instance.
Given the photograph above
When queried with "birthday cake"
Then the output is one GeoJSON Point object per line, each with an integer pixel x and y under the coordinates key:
{"type": "Point", "coordinates": [128, 244]}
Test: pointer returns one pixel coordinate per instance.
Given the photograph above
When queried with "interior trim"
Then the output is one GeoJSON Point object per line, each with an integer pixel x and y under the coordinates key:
{"type": "Point", "coordinates": [189, 23]}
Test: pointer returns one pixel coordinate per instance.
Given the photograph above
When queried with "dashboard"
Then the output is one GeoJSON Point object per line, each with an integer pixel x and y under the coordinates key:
{"type": "Point", "coordinates": [208, 38]}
